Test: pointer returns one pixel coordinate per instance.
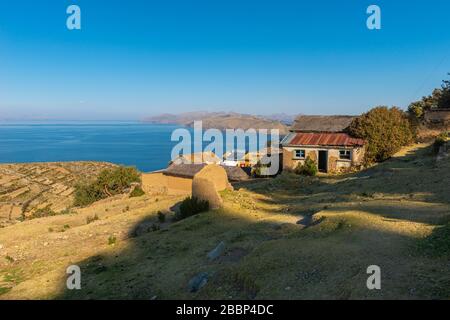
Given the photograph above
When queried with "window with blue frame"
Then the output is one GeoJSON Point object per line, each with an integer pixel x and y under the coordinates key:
{"type": "Point", "coordinates": [299, 154]}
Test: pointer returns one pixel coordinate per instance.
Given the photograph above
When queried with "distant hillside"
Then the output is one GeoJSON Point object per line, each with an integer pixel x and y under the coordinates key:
{"type": "Point", "coordinates": [287, 119]}
{"type": "Point", "coordinates": [223, 120]}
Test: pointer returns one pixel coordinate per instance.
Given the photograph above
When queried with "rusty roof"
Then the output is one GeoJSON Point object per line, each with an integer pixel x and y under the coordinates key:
{"type": "Point", "coordinates": [325, 139]}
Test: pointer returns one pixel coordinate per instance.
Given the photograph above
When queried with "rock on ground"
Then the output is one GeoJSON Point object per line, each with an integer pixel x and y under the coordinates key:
{"type": "Point", "coordinates": [198, 282]}
{"type": "Point", "coordinates": [217, 251]}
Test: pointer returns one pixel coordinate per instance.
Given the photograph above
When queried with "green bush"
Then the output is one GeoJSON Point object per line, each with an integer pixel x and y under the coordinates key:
{"type": "Point", "coordinates": [417, 109]}
{"type": "Point", "coordinates": [161, 217]}
{"type": "Point", "coordinates": [439, 141]}
{"type": "Point", "coordinates": [90, 219]}
{"type": "Point", "coordinates": [444, 99]}
{"type": "Point", "coordinates": [137, 192]}
{"type": "Point", "coordinates": [117, 180]}
{"type": "Point", "coordinates": [112, 240]}
{"type": "Point", "coordinates": [192, 206]}
{"type": "Point", "coordinates": [110, 182]}
{"type": "Point", "coordinates": [385, 129]}
{"type": "Point", "coordinates": [43, 212]}
{"type": "Point", "coordinates": [309, 168]}
{"type": "Point", "coordinates": [85, 194]}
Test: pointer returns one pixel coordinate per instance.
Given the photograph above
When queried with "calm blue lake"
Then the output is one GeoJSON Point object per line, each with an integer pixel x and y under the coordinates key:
{"type": "Point", "coordinates": [146, 146]}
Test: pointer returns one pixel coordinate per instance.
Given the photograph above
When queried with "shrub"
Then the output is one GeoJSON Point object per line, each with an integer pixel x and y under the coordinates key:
{"type": "Point", "coordinates": [117, 180]}
{"type": "Point", "coordinates": [86, 194]}
{"type": "Point", "coordinates": [439, 141]}
{"type": "Point", "coordinates": [90, 219]}
{"type": "Point", "coordinates": [112, 240]}
{"type": "Point", "coordinates": [192, 206]}
{"type": "Point", "coordinates": [386, 131]}
{"type": "Point", "coordinates": [43, 212]}
{"type": "Point", "coordinates": [109, 183]}
{"type": "Point", "coordinates": [444, 99]}
{"type": "Point", "coordinates": [161, 217]}
{"type": "Point", "coordinates": [417, 109]}
{"type": "Point", "coordinates": [137, 192]}
{"type": "Point", "coordinates": [66, 211]}
{"type": "Point", "coordinates": [309, 168]}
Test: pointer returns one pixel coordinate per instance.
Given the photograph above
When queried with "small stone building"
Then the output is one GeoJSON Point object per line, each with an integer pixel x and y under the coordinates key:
{"type": "Point", "coordinates": [178, 178]}
{"type": "Point", "coordinates": [437, 116]}
{"type": "Point", "coordinates": [323, 139]}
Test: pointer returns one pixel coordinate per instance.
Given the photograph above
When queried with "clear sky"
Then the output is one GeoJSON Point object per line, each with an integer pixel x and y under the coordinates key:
{"type": "Point", "coordinates": [136, 58]}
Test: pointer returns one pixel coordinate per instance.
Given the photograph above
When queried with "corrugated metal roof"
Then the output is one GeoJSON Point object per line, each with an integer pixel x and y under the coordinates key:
{"type": "Point", "coordinates": [325, 139]}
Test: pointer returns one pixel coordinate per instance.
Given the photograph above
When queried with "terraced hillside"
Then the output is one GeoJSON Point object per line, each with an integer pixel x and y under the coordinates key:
{"type": "Point", "coordinates": [25, 188]}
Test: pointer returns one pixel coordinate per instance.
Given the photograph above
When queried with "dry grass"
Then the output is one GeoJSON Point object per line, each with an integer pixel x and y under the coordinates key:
{"type": "Point", "coordinates": [392, 215]}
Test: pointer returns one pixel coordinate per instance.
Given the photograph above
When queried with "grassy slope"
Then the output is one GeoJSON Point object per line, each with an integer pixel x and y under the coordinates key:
{"type": "Point", "coordinates": [393, 219]}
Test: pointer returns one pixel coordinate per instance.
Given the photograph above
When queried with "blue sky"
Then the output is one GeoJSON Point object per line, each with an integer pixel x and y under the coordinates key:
{"type": "Point", "coordinates": [136, 58]}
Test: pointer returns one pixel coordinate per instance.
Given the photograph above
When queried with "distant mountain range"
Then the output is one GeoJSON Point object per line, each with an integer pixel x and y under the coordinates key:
{"type": "Point", "coordinates": [226, 120]}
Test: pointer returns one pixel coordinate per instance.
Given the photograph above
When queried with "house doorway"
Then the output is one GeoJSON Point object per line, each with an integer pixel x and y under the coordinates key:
{"type": "Point", "coordinates": [323, 160]}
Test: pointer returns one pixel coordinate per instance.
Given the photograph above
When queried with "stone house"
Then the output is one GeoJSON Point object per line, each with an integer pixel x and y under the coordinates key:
{"type": "Point", "coordinates": [178, 179]}
{"type": "Point", "coordinates": [324, 140]}
{"type": "Point", "coordinates": [437, 116]}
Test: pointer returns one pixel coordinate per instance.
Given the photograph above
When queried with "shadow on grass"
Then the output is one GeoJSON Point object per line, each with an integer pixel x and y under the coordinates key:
{"type": "Point", "coordinates": [160, 263]}
{"type": "Point", "coordinates": [413, 187]}
{"type": "Point", "coordinates": [279, 261]}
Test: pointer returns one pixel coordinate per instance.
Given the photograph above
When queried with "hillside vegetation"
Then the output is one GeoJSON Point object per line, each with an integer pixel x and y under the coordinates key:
{"type": "Point", "coordinates": [292, 237]}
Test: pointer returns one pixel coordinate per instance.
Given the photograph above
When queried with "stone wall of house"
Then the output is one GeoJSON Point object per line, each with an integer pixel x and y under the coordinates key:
{"type": "Point", "coordinates": [440, 116]}
{"type": "Point", "coordinates": [358, 156]}
{"type": "Point", "coordinates": [159, 183]}
{"type": "Point", "coordinates": [179, 185]}
{"type": "Point", "coordinates": [334, 163]}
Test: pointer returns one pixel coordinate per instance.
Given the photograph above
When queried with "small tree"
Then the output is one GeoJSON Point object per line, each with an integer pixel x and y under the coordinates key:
{"type": "Point", "coordinates": [115, 181]}
{"type": "Point", "coordinates": [137, 192]}
{"type": "Point", "coordinates": [417, 109]}
{"type": "Point", "coordinates": [109, 183]}
{"type": "Point", "coordinates": [385, 129]}
{"type": "Point", "coordinates": [309, 168]}
{"type": "Point", "coordinates": [444, 99]}
{"type": "Point", "coordinates": [192, 206]}
{"type": "Point", "coordinates": [439, 142]}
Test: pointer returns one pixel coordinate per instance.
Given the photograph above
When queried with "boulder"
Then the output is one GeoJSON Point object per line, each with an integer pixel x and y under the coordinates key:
{"type": "Point", "coordinates": [198, 282]}
{"type": "Point", "coordinates": [217, 251]}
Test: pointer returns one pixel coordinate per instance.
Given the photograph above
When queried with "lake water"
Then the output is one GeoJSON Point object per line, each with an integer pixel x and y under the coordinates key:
{"type": "Point", "coordinates": [146, 146]}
